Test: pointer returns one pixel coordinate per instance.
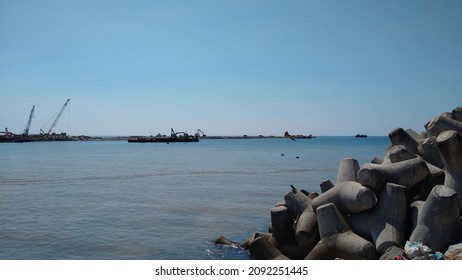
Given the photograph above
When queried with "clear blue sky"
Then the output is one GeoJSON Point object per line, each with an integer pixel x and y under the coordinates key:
{"type": "Point", "coordinates": [229, 67]}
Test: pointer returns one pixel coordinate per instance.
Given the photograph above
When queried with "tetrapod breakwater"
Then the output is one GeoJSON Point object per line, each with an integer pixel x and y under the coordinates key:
{"type": "Point", "coordinates": [405, 205]}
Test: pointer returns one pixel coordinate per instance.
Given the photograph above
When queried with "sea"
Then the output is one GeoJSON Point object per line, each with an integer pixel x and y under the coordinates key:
{"type": "Point", "coordinates": [114, 200]}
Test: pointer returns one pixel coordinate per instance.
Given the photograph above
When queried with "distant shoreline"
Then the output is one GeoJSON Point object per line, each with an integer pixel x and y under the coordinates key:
{"type": "Point", "coordinates": [64, 137]}
{"type": "Point", "coordinates": [216, 137]}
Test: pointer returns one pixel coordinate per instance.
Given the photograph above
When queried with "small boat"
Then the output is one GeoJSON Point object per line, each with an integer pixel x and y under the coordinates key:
{"type": "Point", "coordinates": [361, 136]}
{"type": "Point", "coordinates": [174, 137]}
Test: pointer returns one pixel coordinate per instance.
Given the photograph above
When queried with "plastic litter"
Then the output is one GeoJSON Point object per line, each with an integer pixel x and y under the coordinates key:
{"type": "Point", "coordinates": [419, 251]}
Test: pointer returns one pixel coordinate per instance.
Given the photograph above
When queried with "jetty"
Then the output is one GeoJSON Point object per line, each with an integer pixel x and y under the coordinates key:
{"type": "Point", "coordinates": [405, 205]}
{"type": "Point", "coordinates": [182, 137]}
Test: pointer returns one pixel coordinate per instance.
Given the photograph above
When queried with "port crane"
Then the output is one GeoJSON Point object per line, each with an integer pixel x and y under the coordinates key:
{"type": "Point", "coordinates": [26, 130]}
{"type": "Point", "coordinates": [57, 118]}
{"type": "Point", "coordinates": [199, 132]}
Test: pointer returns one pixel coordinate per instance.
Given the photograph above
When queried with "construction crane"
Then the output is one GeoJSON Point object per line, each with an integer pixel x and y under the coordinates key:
{"type": "Point", "coordinates": [199, 132]}
{"type": "Point", "coordinates": [57, 118]}
{"type": "Point", "coordinates": [26, 130]}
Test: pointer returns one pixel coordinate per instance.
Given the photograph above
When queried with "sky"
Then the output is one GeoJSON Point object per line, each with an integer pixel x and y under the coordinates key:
{"type": "Point", "coordinates": [229, 67]}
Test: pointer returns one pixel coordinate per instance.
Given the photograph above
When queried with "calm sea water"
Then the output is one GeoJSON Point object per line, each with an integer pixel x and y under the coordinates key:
{"type": "Point", "coordinates": [119, 200]}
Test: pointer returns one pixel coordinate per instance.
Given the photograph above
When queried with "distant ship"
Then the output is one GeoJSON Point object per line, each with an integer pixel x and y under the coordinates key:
{"type": "Point", "coordinates": [174, 137]}
{"type": "Point", "coordinates": [360, 135]}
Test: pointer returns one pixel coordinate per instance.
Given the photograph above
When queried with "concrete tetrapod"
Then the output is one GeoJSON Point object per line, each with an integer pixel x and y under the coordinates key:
{"type": "Point", "coordinates": [400, 153]}
{"type": "Point", "coordinates": [438, 222]}
{"type": "Point", "coordinates": [282, 223]}
{"type": "Point", "coordinates": [420, 191]}
{"type": "Point", "coordinates": [349, 197]}
{"type": "Point", "coordinates": [450, 147]}
{"type": "Point", "coordinates": [262, 249]}
{"type": "Point", "coordinates": [442, 123]}
{"type": "Point", "coordinates": [406, 173]}
{"type": "Point", "coordinates": [423, 148]}
{"type": "Point", "coordinates": [306, 223]}
{"type": "Point", "coordinates": [386, 224]}
{"type": "Point", "coordinates": [457, 113]}
{"type": "Point", "coordinates": [326, 185]}
{"type": "Point", "coordinates": [399, 136]}
{"type": "Point", "coordinates": [337, 239]}
{"type": "Point", "coordinates": [347, 170]}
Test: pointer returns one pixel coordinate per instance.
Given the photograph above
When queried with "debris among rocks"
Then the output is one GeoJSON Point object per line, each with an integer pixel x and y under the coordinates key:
{"type": "Point", "coordinates": [404, 206]}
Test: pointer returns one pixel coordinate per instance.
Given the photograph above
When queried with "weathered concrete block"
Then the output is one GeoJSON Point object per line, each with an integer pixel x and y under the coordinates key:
{"type": "Point", "coordinates": [326, 185]}
{"type": "Point", "coordinates": [417, 137]}
{"type": "Point", "coordinates": [392, 253]}
{"type": "Point", "coordinates": [348, 196]}
{"type": "Point", "coordinates": [337, 239]}
{"type": "Point", "coordinates": [423, 148]}
{"type": "Point", "coordinates": [297, 201]}
{"type": "Point", "coordinates": [429, 151]}
{"type": "Point", "coordinates": [262, 249]}
{"type": "Point", "coordinates": [414, 210]}
{"type": "Point", "coordinates": [377, 160]}
{"type": "Point", "coordinates": [438, 223]}
{"type": "Point", "coordinates": [386, 224]}
{"type": "Point", "coordinates": [442, 123]}
{"type": "Point", "coordinates": [313, 195]}
{"type": "Point", "coordinates": [457, 114]}
{"type": "Point", "coordinates": [399, 136]}
{"type": "Point", "coordinates": [281, 224]}
{"type": "Point", "coordinates": [400, 153]}
{"type": "Point", "coordinates": [406, 173]}
{"type": "Point", "coordinates": [246, 243]}
{"type": "Point", "coordinates": [347, 170]}
{"type": "Point", "coordinates": [306, 225]}
{"type": "Point", "coordinates": [421, 190]}
{"type": "Point", "coordinates": [450, 146]}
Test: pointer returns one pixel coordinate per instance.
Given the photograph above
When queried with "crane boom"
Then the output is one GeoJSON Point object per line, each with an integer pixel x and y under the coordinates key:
{"type": "Point", "coordinates": [57, 118]}
{"type": "Point", "coordinates": [26, 130]}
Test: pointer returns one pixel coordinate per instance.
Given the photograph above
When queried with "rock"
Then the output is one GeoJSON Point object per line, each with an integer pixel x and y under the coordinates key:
{"type": "Point", "coordinates": [454, 252]}
{"type": "Point", "coordinates": [392, 253]}
{"type": "Point", "coordinates": [225, 241]}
